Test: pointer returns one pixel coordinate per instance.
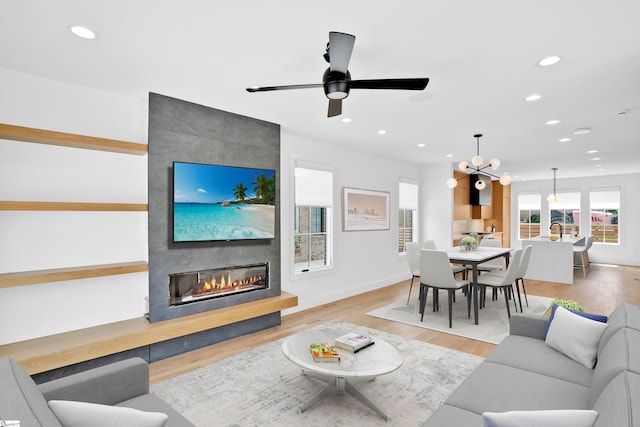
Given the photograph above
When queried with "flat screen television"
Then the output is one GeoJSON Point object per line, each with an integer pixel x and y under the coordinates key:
{"type": "Point", "coordinates": [215, 202]}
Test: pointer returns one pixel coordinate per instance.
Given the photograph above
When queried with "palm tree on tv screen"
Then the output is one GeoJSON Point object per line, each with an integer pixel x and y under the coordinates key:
{"type": "Point", "coordinates": [265, 188]}
{"type": "Point", "coordinates": [240, 191]}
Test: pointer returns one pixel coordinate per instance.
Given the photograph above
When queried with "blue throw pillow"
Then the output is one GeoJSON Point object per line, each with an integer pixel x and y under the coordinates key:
{"type": "Point", "coordinates": [597, 317]}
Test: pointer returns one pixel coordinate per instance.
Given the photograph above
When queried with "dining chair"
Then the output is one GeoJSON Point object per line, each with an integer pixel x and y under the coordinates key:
{"type": "Point", "coordinates": [436, 273]}
{"type": "Point", "coordinates": [503, 282]}
{"type": "Point", "coordinates": [430, 244]}
{"type": "Point", "coordinates": [522, 270]}
{"type": "Point", "coordinates": [494, 264]}
{"type": "Point", "coordinates": [413, 259]}
{"type": "Point", "coordinates": [583, 253]}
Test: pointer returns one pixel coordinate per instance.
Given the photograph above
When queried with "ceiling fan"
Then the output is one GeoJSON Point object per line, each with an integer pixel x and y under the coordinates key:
{"type": "Point", "coordinates": [336, 80]}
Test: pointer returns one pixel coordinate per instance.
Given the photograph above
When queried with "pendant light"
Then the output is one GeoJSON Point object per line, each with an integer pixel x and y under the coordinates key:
{"type": "Point", "coordinates": [554, 197]}
{"type": "Point", "coordinates": [477, 162]}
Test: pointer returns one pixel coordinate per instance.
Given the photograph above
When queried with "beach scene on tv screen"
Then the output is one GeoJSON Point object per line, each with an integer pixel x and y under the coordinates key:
{"type": "Point", "coordinates": [212, 202]}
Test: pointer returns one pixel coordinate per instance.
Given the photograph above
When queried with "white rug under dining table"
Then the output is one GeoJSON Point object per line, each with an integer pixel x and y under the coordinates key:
{"type": "Point", "coordinates": [493, 320]}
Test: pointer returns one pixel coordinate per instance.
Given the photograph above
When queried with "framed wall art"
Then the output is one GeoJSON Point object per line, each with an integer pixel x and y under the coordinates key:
{"type": "Point", "coordinates": [364, 210]}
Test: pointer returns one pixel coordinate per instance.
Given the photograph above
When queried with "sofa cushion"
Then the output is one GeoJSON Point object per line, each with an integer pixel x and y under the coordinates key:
{"type": "Point", "coordinates": [624, 316]}
{"type": "Point", "coordinates": [619, 403]}
{"type": "Point", "coordinates": [151, 403]}
{"type": "Point", "coordinates": [575, 336]}
{"type": "Point", "coordinates": [20, 398]}
{"type": "Point", "coordinates": [495, 387]}
{"type": "Point", "coordinates": [531, 354]}
{"type": "Point", "coordinates": [555, 418]}
{"type": "Point", "coordinates": [622, 352]}
{"type": "Point", "coordinates": [598, 317]}
{"type": "Point", "coordinates": [452, 416]}
{"type": "Point", "coordinates": [82, 414]}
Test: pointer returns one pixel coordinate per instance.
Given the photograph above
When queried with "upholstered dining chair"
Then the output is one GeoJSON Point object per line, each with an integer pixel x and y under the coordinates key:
{"type": "Point", "coordinates": [504, 282]}
{"type": "Point", "coordinates": [413, 259]}
{"type": "Point", "coordinates": [583, 253]}
{"type": "Point", "coordinates": [436, 273]}
{"type": "Point", "coordinates": [494, 264]}
{"type": "Point", "coordinates": [430, 244]}
{"type": "Point", "coordinates": [522, 270]}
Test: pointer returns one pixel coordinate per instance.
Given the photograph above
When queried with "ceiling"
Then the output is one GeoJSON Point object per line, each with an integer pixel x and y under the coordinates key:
{"type": "Point", "coordinates": [481, 58]}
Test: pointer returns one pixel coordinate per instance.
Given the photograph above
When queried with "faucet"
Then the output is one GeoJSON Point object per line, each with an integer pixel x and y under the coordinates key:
{"type": "Point", "coordinates": [559, 225]}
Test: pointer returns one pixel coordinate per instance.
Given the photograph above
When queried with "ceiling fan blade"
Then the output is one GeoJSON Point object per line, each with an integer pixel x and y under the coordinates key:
{"type": "Point", "coordinates": [340, 48]}
{"type": "Point", "coordinates": [269, 88]}
{"type": "Point", "coordinates": [403, 84]}
{"type": "Point", "coordinates": [335, 107]}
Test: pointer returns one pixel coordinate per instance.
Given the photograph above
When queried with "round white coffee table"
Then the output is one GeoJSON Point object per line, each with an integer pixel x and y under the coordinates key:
{"type": "Point", "coordinates": [378, 359]}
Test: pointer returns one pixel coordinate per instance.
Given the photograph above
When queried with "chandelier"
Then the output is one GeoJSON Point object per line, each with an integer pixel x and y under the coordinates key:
{"type": "Point", "coordinates": [477, 161]}
{"type": "Point", "coordinates": [554, 197]}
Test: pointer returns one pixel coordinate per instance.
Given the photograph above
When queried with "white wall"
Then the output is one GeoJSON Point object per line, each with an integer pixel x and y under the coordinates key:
{"type": "Point", "coordinates": [364, 260]}
{"type": "Point", "coordinates": [436, 205]}
{"type": "Point", "coordinates": [43, 240]}
{"type": "Point", "coordinates": [625, 253]}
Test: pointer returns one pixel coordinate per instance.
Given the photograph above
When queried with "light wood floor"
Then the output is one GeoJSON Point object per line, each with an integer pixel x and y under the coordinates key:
{"type": "Point", "coordinates": [605, 288]}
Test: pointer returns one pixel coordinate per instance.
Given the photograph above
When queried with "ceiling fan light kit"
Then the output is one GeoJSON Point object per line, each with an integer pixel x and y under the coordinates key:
{"type": "Point", "coordinates": [336, 80]}
{"type": "Point", "coordinates": [477, 161]}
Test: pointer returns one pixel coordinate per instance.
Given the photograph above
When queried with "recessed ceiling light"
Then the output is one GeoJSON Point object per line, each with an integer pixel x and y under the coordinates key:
{"type": "Point", "coordinates": [553, 122]}
{"type": "Point", "coordinates": [549, 60]}
{"type": "Point", "coordinates": [449, 155]}
{"type": "Point", "coordinates": [597, 166]}
{"type": "Point", "coordinates": [382, 132]}
{"type": "Point", "coordinates": [533, 97]}
{"type": "Point", "coordinates": [581, 131]}
{"type": "Point", "coordinates": [592, 151]}
{"type": "Point", "coordinates": [83, 32]}
{"type": "Point", "coordinates": [345, 120]}
{"type": "Point", "coordinates": [596, 158]}
{"type": "Point", "coordinates": [422, 145]}
{"type": "Point", "coordinates": [564, 140]}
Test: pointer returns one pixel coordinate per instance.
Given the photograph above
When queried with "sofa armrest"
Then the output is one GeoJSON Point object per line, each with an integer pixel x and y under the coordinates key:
{"type": "Point", "coordinates": [528, 325]}
{"type": "Point", "coordinates": [108, 385]}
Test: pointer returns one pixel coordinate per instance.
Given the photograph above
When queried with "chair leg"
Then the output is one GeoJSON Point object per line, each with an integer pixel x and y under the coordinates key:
{"type": "Point", "coordinates": [410, 287]}
{"type": "Point", "coordinates": [423, 302]}
{"type": "Point", "coordinates": [585, 263]}
{"type": "Point", "coordinates": [513, 295]}
{"type": "Point", "coordinates": [524, 291]}
{"type": "Point", "coordinates": [451, 293]}
{"type": "Point", "coordinates": [468, 302]}
{"type": "Point", "coordinates": [518, 290]}
{"type": "Point", "coordinates": [506, 301]}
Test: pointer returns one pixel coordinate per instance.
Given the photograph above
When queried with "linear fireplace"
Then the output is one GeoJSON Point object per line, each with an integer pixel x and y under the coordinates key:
{"type": "Point", "coordinates": [191, 287]}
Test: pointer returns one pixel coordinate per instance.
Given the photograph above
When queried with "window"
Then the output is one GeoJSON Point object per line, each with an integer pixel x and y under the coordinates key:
{"type": "Point", "coordinates": [566, 211]}
{"type": "Point", "coordinates": [605, 211]}
{"type": "Point", "coordinates": [313, 231]}
{"type": "Point", "coordinates": [529, 214]}
{"type": "Point", "coordinates": [407, 212]}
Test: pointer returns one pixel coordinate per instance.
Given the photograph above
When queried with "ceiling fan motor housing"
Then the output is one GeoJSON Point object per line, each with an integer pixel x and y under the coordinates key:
{"type": "Point", "coordinates": [336, 84]}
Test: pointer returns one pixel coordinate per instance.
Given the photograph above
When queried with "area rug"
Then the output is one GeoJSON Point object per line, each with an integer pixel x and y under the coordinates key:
{"type": "Point", "coordinates": [493, 323]}
{"type": "Point", "coordinates": [261, 387]}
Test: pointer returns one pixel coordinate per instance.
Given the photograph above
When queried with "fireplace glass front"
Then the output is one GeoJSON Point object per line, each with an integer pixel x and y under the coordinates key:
{"type": "Point", "coordinates": [185, 288]}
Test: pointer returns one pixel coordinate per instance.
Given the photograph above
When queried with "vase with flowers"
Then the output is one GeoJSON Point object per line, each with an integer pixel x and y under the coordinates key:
{"type": "Point", "coordinates": [468, 243]}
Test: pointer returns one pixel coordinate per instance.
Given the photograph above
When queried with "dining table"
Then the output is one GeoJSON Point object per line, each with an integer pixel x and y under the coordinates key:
{"type": "Point", "coordinates": [473, 258]}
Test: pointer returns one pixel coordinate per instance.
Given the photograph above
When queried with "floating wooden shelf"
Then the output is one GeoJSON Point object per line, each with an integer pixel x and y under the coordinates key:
{"type": "Point", "coordinates": [60, 350]}
{"type": "Point", "coordinates": [41, 136]}
{"type": "Point", "coordinates": [23, 278]}
{"type": "Point", "coordinates": [71, 206]}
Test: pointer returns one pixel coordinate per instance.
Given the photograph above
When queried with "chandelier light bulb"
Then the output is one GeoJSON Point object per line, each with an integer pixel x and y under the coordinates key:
{"type": "Point", "coordinates": [452, 183]}
{"type": "Point", "coordinates": [505, 179]}
{"type": "Point", "coordinates": [463, 166]}
{"type": "Point", "coordinates": [553, 198]}
{"type": "Point", "coordinates": [480, 184]}
{"type": "Point", "coordinates": [494, 163]}
{"type": "Point", "coordinates": [477, 161]}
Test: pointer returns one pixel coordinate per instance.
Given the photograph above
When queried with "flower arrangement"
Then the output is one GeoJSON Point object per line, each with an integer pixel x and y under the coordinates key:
{"type": "Point", "coordinates": [467, 243]}
{"type": "Point", "coordinates": [569, 304]}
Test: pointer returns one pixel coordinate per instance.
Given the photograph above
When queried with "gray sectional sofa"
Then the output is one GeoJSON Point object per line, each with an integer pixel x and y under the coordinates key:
{"type": "Point", "coordinates": [122, 384]}
{"type": "Point", "coordinates": [525, 374]}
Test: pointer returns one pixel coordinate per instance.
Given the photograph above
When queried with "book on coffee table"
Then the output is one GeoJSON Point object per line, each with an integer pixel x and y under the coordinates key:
{"type": "Point", "coordinates": [324, 352]}
{"type": "Point", "coordinates": [353, 341]}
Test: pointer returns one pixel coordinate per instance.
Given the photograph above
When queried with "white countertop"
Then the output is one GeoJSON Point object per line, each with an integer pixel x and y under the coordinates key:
{"type": "Point", "coordinates": [564, 239]}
